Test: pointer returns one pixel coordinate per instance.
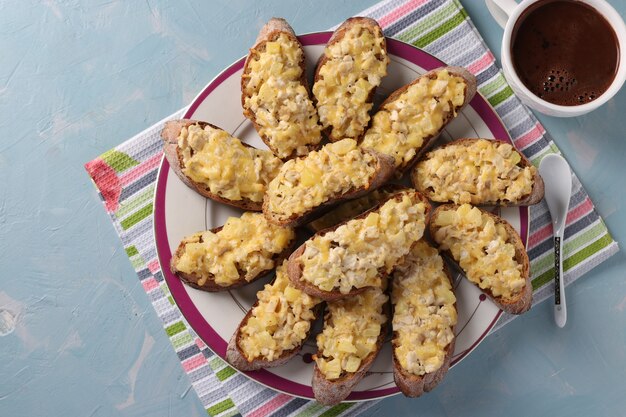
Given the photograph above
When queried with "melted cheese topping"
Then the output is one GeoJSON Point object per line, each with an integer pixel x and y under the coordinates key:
{"type": "Point", "coordinates": [480, 247]}
{"type": "Point", "coordinates": [305, 183]}
{"type": "Point", "coordinates": [424, 314]}
{"type": "Point", "coordinates": [355, 254]}
{"type": "Point", "coordinates": [244, 245]}
{"type": "Point", "coordinates": [355, 66]}
{"type": "Point", "coordinates": [352, 208]}
{"type": "Point", "coordinates": [279, 322]}
{"type": "Point", "coordinates": [401, 126]}
{"type": "Point", "coordinates": [280, 103]}
{"type": "Point", "coordinates": [483, 172]}
{"type": "Point", "coordinates": [351, 329]}
{"type": "Point", "coordinates": [222, 163]}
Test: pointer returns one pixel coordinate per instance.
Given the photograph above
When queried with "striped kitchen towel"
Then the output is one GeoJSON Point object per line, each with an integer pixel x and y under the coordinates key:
{"type": "Point", "coordinates": [125, 178]}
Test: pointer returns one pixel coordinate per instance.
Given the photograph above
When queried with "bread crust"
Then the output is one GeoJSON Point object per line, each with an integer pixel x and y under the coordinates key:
{"type": "Point", "coordinates": [384, 170]}
{"type": "Point", "coordinates": [210, 285]}
{"type": "Point", "coordinates": [337, 36]}
{"type": "Point", "coordinates": [413, 385]}
{"type": "Point", "coordinates": [294, 266]}
{"type": "Point", "coordinates": [534, 197]}
{"type": "Point", "coordinates": [270, 32]}
{"type": "Point", "coordinates": [174, 156]}
{"type": "Point", "coordinates": [522, 302]}
{"type": "Point", "coordinates": [328, 392]}
{"type": "Point", "coordinates": [236, 357]}
{"type": "Point", "coordinates": [470, 91]}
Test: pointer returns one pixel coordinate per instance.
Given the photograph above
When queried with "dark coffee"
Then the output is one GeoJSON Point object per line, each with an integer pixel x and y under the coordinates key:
{"type": "Point", "coordinates": [565, 52]}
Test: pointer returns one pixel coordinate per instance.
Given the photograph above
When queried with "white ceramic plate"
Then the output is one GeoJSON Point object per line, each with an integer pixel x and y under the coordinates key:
{"type": "Point", "coordinates": [179, 211]}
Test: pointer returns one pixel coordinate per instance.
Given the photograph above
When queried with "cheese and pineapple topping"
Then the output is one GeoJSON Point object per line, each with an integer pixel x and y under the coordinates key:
{"type": "Point", "coordinates": [352, 208]}
{"type": "Point", "coordinates": [351, 329]}
{"type": "Point", "coordinates": [356, 253]}
{"type": "Point", "coordinates": [279, 322]}
{"type": "Point", "coordinates": [224, 165]}
{"type": "Point", "coordinates": [355, 66]}
{"type": "Point", "coordinates": [479, 172]}
{"type": "Point", "coordinates": [401, 126]}
{"type": "Point", "coordinates": [244, 245]}
{"type": "Point", "coordinates": [424, 314]}
{"type": "Point", "coordinates": [305, 183]}
{"type": "Point", "coordinates": [481, 248]}
{"type": "Point", "coordinates": [273, 92]}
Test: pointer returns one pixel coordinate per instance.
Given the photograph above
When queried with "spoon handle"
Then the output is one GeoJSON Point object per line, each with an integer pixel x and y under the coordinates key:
{"type": "Point", "coordinates": [560, 308]}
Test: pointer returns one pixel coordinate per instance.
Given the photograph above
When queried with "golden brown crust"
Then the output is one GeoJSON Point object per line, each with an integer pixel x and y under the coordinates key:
{"type": "Point", "coordinates": [384, 170]}
{"type": "Point", "coordinates": [210, 285]}
{"type": "Point", "coordinates": [523, 301]}
{"type": "Point", "coordinates": [470, 91]}
{"type": "Point", "coordinates": [174, 156]}
{"type": "Point", "coordinates": [535, 196]}
{"type": "Point", "coordinates": [337, 36]}
{"type": "Point", "coordinates": [413, 385]}
{"type": "Point", "coordinates": [270, 32]}
{"type": "Point", "coordinates": [236, 357]}
{"type": "Point", "coordinates": [294, 267]}
{"type": "Point", "coordinates": [333, 392]}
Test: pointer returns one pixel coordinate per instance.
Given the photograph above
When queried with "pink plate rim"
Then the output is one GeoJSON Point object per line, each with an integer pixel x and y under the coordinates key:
{"type": "Point", "coordinates": [195, 319]}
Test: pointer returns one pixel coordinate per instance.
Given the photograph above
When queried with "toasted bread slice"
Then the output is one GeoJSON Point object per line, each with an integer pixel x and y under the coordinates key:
{"type": "Point", "coordinates": [520, 288]}
{"type": "Point", "coordinates": [347, 74]}
{"type": "Point", "coordinates": [349, 325]}
{"type": "Point", "coordinates": [244, 347]}
{"type": "Point", "coordinates": [252, 201]}
{"type": "Point", "coordinates": [284, 64]}
{"type": "Point", "coordinates": [424, 317]}
{"type": "Point", "coordinates": [415, 114]}
{"type": "Point", "coordinates": [502, 176]}
{"type": "Point", "coordinates": [340, 275]}
{"type": "Point", "coordinates": [281, 240]}
{"type": "Point", "coordinates": [353, 208]}
{"type": "Point", "coordinates": [305, 188]}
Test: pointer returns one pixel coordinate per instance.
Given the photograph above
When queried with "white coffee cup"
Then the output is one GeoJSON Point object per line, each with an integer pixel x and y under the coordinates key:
{"type": "Point", "coordinates": [507, 12]}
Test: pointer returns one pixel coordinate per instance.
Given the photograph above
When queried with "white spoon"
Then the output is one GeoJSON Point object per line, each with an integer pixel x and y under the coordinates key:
{"type": "Point", "coordinates": [558, 189]}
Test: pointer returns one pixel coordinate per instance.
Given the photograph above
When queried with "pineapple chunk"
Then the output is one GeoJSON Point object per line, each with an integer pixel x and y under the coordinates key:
{"type": "Point", "coordinates": [343, 146]}
{"type": "Point", "coordinates": [352, 364]}
{"type": "Point", "coordinates": [272, 47]}
{"type": "Point", "coordinates": [474, 217]}
{"type": "Point", "coordinates": [515, 158]}
{"type": "Point", "coordinates": [372, 331]}
{"type": "Point", "coordinates": [292, 294]}
{"type": "Point", "coordinates": [445, 218]}
{"type": "Point", "coordinates": [310, 176]}
{"type": "Point", "coordinates": [372, 220]}
{"type": "Point", "coordinates": [346, 346]}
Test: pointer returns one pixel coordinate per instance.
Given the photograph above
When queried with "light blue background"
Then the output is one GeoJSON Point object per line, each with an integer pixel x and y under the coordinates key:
{"type": "Point", "coordinates": [79, 77]}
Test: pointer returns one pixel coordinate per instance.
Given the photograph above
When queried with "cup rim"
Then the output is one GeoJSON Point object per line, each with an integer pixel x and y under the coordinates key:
{"type": "Point", "coordinates": [618, 25]}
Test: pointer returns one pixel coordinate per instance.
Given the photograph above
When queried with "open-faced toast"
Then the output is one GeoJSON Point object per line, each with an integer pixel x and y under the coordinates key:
{"type": "Point", "coordinates": [479, 172]}
{"type": "Point", "coordinates": [488, 250]}
{"type": "Point", "coordinates": [306, 188]}
{"type": "Point", "coordinates": [227, 257]}
{"type": "Point", "coordinates": [359, 253]}
{"type": "Point", "coordinates": [275, 93]}
{"type": "Point", "coordinates": [275, 328]}
{"type": "Point", "coordinates": [424, 317]}
{"type": "Point", "coordinates": [415, 114]}
{"type": "Point", "coordinates": [353, 334]}
{"type": "Point", "coordinates": [352, 66]}
{"type": "Point", "coordinates": [216, 165]}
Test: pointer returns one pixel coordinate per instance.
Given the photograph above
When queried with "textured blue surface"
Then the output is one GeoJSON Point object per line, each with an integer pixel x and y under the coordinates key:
{"type": "Point", "coordinates": [78, 336]}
